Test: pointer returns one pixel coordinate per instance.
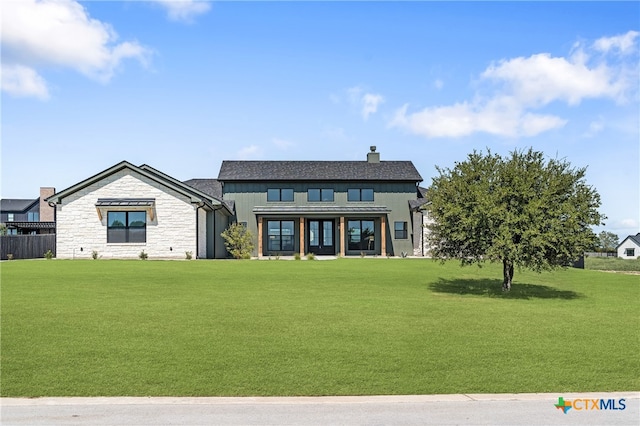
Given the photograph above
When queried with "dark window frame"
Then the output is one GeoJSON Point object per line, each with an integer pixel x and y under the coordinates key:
{"type": "Point", "coordinates": [401, 232]}
{"type": "Point", "coordinates": [630, 252]}
{"type": "Point", "coordinates": [280, 196]}
{"type": "Point", "coordinates": [365, 241]}
{"type": "Point", "coordinates": [279, 235]}
{"type": "Point", "coordinates": [126, 233]}
{"type": "Point", "coordinates": [324, 195]}
{"type": "Point", "coordinates": [360, 195]}
{"type": "Point", "coordinates": [33, 217]}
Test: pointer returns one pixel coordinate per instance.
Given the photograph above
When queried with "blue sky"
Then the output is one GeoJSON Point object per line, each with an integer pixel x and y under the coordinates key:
{"type": "Point", "coordinates": [183, 85]}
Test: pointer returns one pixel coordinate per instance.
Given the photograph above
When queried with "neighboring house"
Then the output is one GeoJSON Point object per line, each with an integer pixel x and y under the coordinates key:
{"type": "Point", "coordinates": [629, 248]}
{"type": "Point", "coordinates": [127, 209]}
{"type": "Point", "coordinates": [28, 217]}
{"type": "Point", "coordinates": [325, 207]}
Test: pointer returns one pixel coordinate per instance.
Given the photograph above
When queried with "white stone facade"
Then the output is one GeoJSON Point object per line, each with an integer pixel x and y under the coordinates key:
{"type": "Point", "coordinates": [421, 220]}
{"type": "Point", "coordinates": [169, 234]}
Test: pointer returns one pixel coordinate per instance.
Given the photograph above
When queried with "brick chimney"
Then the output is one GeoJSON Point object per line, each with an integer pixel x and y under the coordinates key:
{"type": "Point", "coordinates": [47, 213]}
{"type": "Point", "coordinates": [373, 156]}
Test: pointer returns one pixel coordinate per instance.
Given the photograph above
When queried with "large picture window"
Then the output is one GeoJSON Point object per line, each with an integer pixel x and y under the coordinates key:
{"type": "Point", "coordinates": [280, 235]}
{"type": "Point", "coordinates": [315, 194]}
{"type": "Point", "coordinates": [361, 235]}
{"type": "Point", "coordinates": [127, 227]}
{"type": "Point", "coordinates": [358, 194]}
{"type": "Point", "coordinates": [279, 194]}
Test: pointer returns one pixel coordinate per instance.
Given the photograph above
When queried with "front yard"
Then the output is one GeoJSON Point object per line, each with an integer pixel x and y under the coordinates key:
{"type": "Point", "coordinates": [343, 327]}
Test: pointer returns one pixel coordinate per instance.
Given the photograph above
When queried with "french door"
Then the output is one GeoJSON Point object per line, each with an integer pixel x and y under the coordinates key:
{"type": "Point", "coordinates": [321, 236]}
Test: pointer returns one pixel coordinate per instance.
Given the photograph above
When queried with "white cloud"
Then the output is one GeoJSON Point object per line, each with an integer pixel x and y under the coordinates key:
{"type": "Point", "coordinates": [248, 152]}
{"type": "Point", "coordinates": [282, 144]}
{"type": "Point", "coordinates": [595, 127]}
{"type": "Point", "coordinates": [367, 103]}
{"type": "Point", "coordinates": [184, 10]}
{"type": "Point", "coordinates": [629, 223]}
{"type": "Point", "coordinates": [519, 86]}
{"type": "Point", "coordinates": [60, 33]}
{"type": "Point", "coordinates": [21, 81]}
{"type": "Point", "coordinates": [623, 43]}
{"type": "Point", "coordinates": [438, 84]}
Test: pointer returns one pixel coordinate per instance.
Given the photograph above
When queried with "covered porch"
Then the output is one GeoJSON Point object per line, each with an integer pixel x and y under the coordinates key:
{"type": "Point", "coordinates": [327, 230]}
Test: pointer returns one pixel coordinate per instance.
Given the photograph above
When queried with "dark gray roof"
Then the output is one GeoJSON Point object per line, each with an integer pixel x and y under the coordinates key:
{"type": "Point", "coordinates": [16, 205]}
{"type": "Point", "coordinates": [211, 187]}
{"type": "Point", "coordinates": [318, 171]}
{"type": "Point", "coordinates": [634, 238]}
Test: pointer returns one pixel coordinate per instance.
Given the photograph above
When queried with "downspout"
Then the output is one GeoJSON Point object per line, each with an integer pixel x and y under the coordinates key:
{"type": "Point", "coordinates": [199, 206]}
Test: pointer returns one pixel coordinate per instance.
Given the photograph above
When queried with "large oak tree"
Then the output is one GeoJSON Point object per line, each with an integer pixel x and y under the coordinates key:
{"type": "Point", "coordinates": [521, 210]}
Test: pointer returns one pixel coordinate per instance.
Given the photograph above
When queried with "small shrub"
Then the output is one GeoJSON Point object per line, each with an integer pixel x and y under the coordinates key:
{"type": "Point", "coordinates": [9, 256]}
{"type": "Point", "coordinates": [94, 254]}
{"type": "Point", "coordinates": [48, 255]}
{"type": "Point", "coordinates": [238, 240]}
{"type": "Point", "coordinates": [188, 255]}
{"type": "Point", "coordinates": [143, 255]}
{"type": "Point", "coordinates": [311, 256]}
{"type": "Point", "coordinates": [362, 254]}
{"type": "Point", "coordinates": [277, 256]}
{"type": "Point", "coordinates": [296, 256]}
{"type": "Point", "coordinates": [404, 254]}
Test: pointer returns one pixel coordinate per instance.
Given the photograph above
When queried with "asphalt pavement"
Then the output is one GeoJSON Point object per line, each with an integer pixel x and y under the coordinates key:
{"type": "Point", "coordinates": [598, 408]}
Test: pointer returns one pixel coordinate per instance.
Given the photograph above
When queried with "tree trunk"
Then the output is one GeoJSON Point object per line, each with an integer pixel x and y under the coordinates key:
{"type": "Point", "coordinates": [507, 271]}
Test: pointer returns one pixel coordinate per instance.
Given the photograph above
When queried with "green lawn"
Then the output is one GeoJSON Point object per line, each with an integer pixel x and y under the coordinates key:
{"type": "Point", "coordinates": [611, 264]}
{"type": "Point", "coordinates": [344, 327]}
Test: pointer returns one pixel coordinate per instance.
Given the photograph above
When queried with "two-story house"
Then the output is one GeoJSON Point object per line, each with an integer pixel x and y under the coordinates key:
{"type": "Point", "coordinates": [28, 216]}
{"type": "Point", "coordinates": [324, 207]}
{"type": "Point", "coordinates": [321, 207]}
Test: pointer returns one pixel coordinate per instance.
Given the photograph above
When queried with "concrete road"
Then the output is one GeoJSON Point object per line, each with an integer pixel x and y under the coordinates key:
{"type": "Point", "coordinates": [501, 409]}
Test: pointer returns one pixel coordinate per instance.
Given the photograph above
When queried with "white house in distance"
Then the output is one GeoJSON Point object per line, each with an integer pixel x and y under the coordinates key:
{"type": "Point", "coordinates": [629, 248]}
{"type": "Point", "coordinates": [126, 209]}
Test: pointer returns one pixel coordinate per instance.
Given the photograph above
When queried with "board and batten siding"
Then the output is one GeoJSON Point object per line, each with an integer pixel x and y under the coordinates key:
{"type": "Point", "coordinates": [170, 234]}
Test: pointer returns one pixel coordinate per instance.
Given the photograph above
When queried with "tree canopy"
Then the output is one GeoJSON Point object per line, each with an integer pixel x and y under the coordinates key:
{"type": "Point", "coordinates": [607, 241]}
{"type": "Point", "coordinates": [521, 210]}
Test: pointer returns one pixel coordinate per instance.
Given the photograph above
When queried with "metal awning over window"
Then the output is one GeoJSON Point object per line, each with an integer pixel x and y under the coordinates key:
{"type": "Point", "coordinates": [320, 210]}
{"type": "Point", "coordinates": [147, 204]}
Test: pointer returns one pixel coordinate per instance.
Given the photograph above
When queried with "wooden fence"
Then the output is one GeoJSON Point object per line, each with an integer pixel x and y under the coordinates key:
{"type": "Point", "coordinates": [27, 246]}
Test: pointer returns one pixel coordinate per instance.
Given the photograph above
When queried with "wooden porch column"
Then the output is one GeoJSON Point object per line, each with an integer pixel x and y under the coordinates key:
{"type": "Point", "coordinates": [383, 237]}
{"type": "Point", "coordinates": [259, 236]}
{"type": "Point", "coordinates": [302, 237]}
{"type": "Point", "coordinates": [342, 232]}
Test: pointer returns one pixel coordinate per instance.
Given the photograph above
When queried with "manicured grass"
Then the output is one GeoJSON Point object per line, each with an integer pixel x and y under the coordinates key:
{"type": "Point", "coordinates": [344, 327]}
{"type": "Point", "coordinates": [611, 264]}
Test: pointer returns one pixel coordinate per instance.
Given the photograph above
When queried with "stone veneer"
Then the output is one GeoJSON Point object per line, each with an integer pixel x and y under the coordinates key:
{"type": "Point", "coordinates": [170, 234]}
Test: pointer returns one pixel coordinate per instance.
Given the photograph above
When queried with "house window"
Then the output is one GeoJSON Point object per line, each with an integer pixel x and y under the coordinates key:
{"type": "Point", "coordinates": [279, 194]}
{"type": "Point", "coordinates": [127, 227]}
{"type": "Point", "coordinates": [361, 235]}
{"type": "Point", "coordinates": [281, 235]}
{"type": "Point", "coordinates": [315, 194]}
{"type": "Point", "coordinates": [400, 229]}
{"type": "Point", "coordinates": [12, 231]}
{"type": "Point", "coordinates": [33, 217]}
{"type": "Point", "coordinates": [358, 194]}
{"type": "Point", "coordinates": [10, 217]}
{"type": "Point", "coordinates": [630, 252]}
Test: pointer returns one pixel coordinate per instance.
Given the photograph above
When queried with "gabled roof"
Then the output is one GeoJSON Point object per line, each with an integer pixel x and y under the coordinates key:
{"type": "Point", "coordinates": [634, 238]}
{"type": "Point", "coordinates": [147, 171]}
{"type": "Point", "coordinates": [318, 171]}
{"type": "Point", "coordinates": [17, 205]}
{"type": "Point", "coordinates": [211, 187]}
